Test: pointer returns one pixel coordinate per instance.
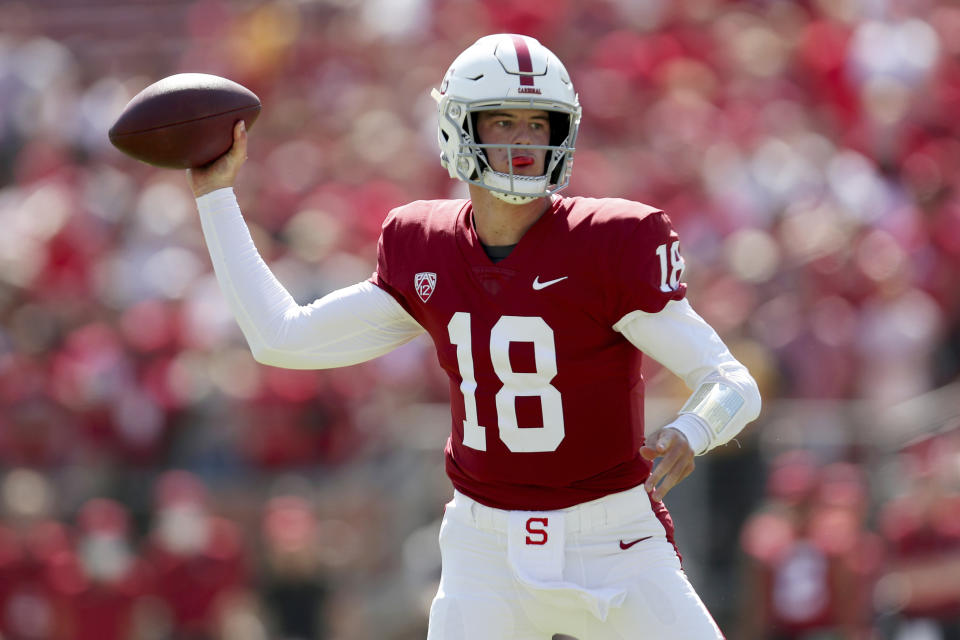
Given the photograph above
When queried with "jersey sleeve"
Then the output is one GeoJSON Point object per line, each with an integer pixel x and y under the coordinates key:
{"type": "Point", "coordinates": [387, 245]}
{"type": "Point", "coordinates": [647, 271]}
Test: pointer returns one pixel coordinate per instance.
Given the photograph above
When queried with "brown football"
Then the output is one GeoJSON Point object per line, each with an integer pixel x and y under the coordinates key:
{"type": "Point", "coordinates": [183, 121]}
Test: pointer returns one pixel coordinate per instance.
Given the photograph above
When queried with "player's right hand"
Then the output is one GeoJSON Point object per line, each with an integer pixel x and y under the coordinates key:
{"type": "Point", "coordinates": [676, 462]}
{"type": "Point", "coordinates": [223, 171]}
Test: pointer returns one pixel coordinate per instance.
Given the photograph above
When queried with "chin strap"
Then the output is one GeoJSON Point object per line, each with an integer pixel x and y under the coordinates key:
{"type": "Point", "coordinates": [498, 183]}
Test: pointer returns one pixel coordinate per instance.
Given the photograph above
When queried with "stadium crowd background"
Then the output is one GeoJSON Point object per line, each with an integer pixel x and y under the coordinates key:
{"type": "Point", "coordinates": [155, 482]}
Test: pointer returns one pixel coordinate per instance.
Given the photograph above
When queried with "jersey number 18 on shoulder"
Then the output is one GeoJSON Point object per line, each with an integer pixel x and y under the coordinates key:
{"type": "Point", "coordinates": [671, 266]}
{"type": "Point", "coordinates": [535, 384]}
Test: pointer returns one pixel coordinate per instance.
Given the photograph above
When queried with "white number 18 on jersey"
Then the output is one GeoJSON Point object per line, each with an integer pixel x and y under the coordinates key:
{"type": "Point", "coordinates": [671, 266]}
{"type": "Point", "coordinates": [537, 383]}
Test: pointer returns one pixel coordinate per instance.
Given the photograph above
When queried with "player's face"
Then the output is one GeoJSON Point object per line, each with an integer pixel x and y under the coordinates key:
{"type": "Point", "coordinates": [515, 126]}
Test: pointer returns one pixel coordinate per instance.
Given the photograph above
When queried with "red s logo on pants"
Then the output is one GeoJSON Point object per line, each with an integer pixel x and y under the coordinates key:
{"type": "Point", "coordinates": [540, 533]}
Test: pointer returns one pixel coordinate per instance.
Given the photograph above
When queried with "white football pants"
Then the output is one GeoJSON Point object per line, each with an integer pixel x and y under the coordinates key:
{"type": "Point", "coordinates": [602, 570]}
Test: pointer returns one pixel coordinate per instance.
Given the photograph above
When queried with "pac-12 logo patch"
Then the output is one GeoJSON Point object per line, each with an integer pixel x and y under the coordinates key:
{"type": "Point", "coordinates": [425, 282]}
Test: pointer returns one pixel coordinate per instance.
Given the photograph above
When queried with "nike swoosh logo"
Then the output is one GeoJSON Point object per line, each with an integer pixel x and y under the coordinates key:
{"type": "Point", "coordinates": [537, 285]}
{"type": "Point", "coordinates": [627, 545]}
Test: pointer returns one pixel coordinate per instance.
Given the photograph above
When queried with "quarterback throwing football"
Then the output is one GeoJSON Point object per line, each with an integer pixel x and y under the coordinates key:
{"type": "Point", "coordinates": [541, 308]}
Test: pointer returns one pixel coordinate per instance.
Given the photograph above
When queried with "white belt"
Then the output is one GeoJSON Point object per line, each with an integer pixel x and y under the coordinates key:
{"type": "Point", "coordinates": [608, 511]}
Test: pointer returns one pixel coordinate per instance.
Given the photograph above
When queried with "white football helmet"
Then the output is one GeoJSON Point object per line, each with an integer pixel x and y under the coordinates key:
{"type": "Point", "coordinates": [506, 71]}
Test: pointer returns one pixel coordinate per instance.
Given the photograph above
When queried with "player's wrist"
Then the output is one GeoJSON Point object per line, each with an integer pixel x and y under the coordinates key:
{"type": "Point", "coordinates": [199, 193]}
{"type": "Point", "coordinates": [694, 430]}
{"type": "Point", "coordinates": [202, 187]}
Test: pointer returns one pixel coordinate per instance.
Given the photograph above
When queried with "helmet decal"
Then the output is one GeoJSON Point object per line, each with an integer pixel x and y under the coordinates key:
{"type": "Point", "coordinates": [523, 62]}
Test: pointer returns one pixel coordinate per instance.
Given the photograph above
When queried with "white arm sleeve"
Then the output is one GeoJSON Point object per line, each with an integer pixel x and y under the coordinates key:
{"type": "Point", "coordinates": [351, 325]}
{"type": "Point", "coordinates": [725, 398]}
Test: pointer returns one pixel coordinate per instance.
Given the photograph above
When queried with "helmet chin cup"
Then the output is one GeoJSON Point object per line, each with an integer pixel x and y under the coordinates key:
{"type": "Point", "coordinates": [506, 71]}
{"type": "Point", "coordinates": [510, 188]}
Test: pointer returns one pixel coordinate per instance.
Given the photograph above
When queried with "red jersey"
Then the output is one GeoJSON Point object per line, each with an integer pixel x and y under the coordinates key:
{"type": "Point", "coordinates": [546, 397]}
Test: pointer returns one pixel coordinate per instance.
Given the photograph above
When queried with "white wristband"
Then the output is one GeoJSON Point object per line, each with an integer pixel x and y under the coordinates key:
{"type": "Point", "coordinates": [695, 430]}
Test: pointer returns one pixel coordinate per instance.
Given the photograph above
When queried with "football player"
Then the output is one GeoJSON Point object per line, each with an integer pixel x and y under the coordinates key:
{"type": "Point", "coordinates": [541, 308]}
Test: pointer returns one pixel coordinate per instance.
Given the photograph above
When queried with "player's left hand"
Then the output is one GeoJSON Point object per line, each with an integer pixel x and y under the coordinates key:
{"type": "Point", "coordinates": [677, 462]}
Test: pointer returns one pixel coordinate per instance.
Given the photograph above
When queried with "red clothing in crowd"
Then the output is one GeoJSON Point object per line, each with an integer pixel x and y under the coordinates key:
{"type": "Point", "coordinates": [193, 585]}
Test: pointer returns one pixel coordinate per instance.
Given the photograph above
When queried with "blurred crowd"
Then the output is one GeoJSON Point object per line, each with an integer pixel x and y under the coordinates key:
{"type": "Point", "coordinates": [820, 560]}
{"type": "Point", "coordinates": [156, 482]}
